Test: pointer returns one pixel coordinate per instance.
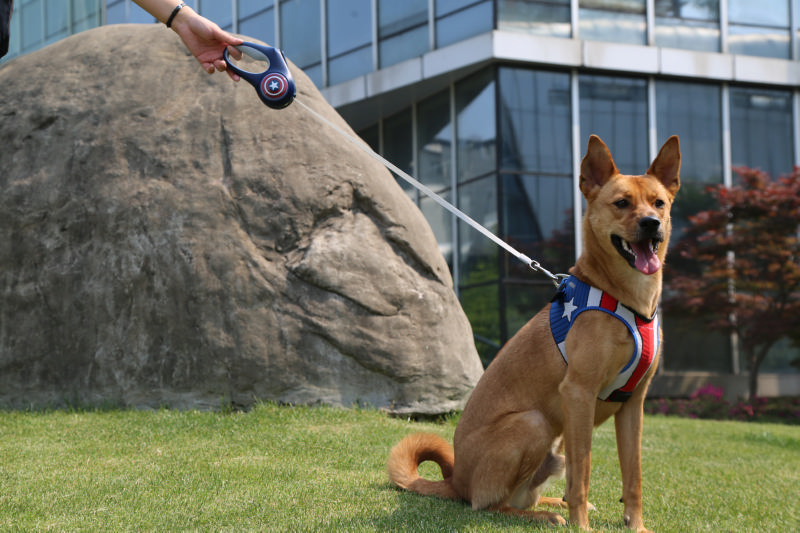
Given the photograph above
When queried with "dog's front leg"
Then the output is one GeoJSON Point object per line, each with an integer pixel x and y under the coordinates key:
{"type": "Point", "coordinates": [628, 425]}
{"type": "Point", "coordinates": [578, 404]}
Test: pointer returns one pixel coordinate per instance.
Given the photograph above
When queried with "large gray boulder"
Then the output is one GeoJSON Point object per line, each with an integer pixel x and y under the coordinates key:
{"type": "Point", "coordinates": [168, 240]}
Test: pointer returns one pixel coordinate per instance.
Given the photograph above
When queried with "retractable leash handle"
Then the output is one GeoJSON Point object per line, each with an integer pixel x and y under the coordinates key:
{"type": "Point", "coordinates": [274, 85]}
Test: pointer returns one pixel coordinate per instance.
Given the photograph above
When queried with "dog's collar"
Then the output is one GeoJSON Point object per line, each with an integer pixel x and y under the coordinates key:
{"type": "Point", "coordinates": [573, 298]}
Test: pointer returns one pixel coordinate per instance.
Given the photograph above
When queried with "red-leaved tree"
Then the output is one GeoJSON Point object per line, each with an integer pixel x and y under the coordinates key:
{"type": "Point", "coordinates": [739, 265]}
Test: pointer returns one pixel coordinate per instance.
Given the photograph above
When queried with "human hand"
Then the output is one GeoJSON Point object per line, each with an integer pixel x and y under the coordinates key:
{"type": "Point", "coordinates": [206, 41]}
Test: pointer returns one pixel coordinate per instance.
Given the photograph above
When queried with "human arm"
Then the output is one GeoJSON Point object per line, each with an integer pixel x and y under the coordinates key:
{"type": "Point", "coordinates": [202, 37]}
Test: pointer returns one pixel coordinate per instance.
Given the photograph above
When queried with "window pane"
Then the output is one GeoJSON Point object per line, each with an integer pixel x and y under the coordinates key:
{"type": "Point", "coordinates": [397, 146]}
{"type": "Point", "coordinates": [314, 72]}
{"type": "Point", "coordinates": [349, 39]}
{"type": "Point", "coordinates": [402, 30]}
{"type": "Point", "coordinates": [779, 358]}
{"type": "Point", "coordinates": [441, 222]}
{"type": "Point", "coordinates": [761, 130]}
{"type": "Point", "coordinates": [56, 23]}
{"type": "Point", "coordinates": [687, 342]}
{"type": "Point", "coordinates": [759, 28]}
{"type": "Point", "coordinates": [434, 136]}
{"type": "Point", "coordinates": [688, 34]}
{"type": "Point", "coordinates": [260, 26]}
{"type": "Point", "coordinates": [139, 15]}
{"type": "Point", "coordinates": [412, 43]}
{"type": "Point", "coordinates": [475, 119]}
{"type": "Point", "coordinates": [761, 13]}
{"type": "Point", "coordinates": [121, 11]}
{"type": "Point", "coordinates": [691, 24]}
{"type": "Point", "coordinates": [537, 220]}
{"type": "Point", "coordinates": [395, 17]}
{"type": "Point", "coordinates": [220, 11]}
{"type": "Point", "coordinates": [615, 109]}
{"type": "Point", "coordinates": [481, 305]}
{"type": "Point", "coordinates": [707, 10]}
{"type": "Point", "coordinates": [248, 8]}
{"type": "Point", "coordinates": [477, 254]}
{"type": "Point", "coordinates": [623, 22]}
{"type": "Point", "coordinates": [115, 12]}
{"type": "Point", "coordinates": [619, 6]}
{"type": "Point", "coordinates": [535, 131]}
{"type": "Point", "coordinates": [85, 14]}
{"type": "Point", "coordinates": [533, 16]}
{"type": "Point", "coordinates": [754, 41]}
{"type": "Point", "coordinates": [523, 302]}
{"type": "Point", "coordinates": [350, 65]}
{"type": "Point", "coordinates": [693, 112]}
{"type": "Point", "coordinates": [463, 24]}
{"type": "Point", "coordinates": [31, 25]}
{"type": "Point", "coordinates": [300, 33]}
{"type": "Point", "coordinates": [796, 26]}
{"type": "Point", "coordinates": [349, 25]}
{"type": "Point", "coordinates": [371, 136]}
{"type": "Point", "coordinates": [443, 7]}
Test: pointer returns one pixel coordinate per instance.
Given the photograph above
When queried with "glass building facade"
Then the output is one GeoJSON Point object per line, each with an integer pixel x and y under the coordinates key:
{"type": "Point", "coordinates": [491, 102]}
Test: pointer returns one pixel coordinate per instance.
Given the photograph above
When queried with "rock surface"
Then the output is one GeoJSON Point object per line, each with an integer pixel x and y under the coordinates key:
{"type": "Point", "coordinates": [168, 240]}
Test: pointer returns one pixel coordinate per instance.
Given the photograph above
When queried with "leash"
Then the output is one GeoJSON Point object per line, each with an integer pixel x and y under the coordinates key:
{"type": "Point", "coordinates": [532, 263]}
{"type": "Point", "coordinates": [276, 88]}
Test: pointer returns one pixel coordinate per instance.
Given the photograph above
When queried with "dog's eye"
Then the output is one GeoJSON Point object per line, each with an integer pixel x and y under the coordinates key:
{"type": "Point", "coordinates": [622, 204]}
{"type": "Point", "coordinates": [659, 203]}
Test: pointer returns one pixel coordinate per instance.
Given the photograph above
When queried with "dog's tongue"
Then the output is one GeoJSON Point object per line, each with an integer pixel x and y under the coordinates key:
{"type": "Point", "coordinates": [646, 261]}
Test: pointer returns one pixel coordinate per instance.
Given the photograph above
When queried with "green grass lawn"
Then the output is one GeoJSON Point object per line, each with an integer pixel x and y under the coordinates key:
{"type": "Point", "coordinates": [319, 469]}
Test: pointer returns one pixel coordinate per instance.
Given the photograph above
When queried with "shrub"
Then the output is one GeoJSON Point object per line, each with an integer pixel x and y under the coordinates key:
{"type": "Point", "coordinates": [708, 402]}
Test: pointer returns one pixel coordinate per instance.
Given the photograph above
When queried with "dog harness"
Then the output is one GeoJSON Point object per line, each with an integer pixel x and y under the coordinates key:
{"type": "Point", "coordinates": [573, 298]}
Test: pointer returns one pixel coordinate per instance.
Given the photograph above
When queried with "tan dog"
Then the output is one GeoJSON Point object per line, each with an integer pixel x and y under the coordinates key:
{"type": "Point", "coordinates": [533, 395]}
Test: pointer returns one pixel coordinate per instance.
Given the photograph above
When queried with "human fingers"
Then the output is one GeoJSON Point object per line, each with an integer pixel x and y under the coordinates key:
{"type": "Point", "coordinates": [222, 66]}
{"type": "Point", "coordinates": [235, 52]}
{"type": "Point", "coordinates": [233, 75]}
{"type": "Point", "coordinates": [228, 38]}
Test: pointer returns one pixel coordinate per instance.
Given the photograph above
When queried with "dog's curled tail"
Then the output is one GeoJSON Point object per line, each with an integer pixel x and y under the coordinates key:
{"type": "Point", "coordinates": [414, 450]}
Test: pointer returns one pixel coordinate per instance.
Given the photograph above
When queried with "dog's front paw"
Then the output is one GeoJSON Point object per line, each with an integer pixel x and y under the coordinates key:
{"type": "Point", "coordinates": [639, 529]}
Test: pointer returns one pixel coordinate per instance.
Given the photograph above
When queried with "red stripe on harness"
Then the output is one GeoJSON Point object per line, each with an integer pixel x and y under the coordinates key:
{"type": "Point", "coordinates": [648, 338]}
{"type": "Point", "coordinates": [608, 302]}
{"type": "Point", "coordinates": [646, 331]}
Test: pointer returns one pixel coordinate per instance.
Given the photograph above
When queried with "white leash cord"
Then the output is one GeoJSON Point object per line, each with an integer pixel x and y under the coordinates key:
{"type": "Point", "coordinates": [555, 278]}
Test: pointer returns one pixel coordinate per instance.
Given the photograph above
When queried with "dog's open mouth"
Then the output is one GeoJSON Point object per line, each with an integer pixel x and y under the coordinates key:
{"type": "Point", "coordinates": [640, 255]}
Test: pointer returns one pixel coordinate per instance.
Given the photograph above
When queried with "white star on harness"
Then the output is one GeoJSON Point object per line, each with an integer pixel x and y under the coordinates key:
{"type": "Point", "coordinates": [569, 307]}
{"type": "Point", "coordinates": [274, 86]}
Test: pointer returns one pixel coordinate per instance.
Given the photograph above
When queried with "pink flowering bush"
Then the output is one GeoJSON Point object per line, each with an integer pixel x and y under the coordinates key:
{"type": "Point", "coordinates": [708, 402]}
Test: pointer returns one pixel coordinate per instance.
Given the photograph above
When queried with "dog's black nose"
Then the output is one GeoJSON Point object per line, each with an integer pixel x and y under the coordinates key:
{"type": "Point", "coordinates": [649, 225]}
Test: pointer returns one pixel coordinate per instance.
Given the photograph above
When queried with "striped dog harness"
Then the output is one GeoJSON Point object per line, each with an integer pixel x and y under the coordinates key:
{"type": "Point", "coordinates": [573, 298]}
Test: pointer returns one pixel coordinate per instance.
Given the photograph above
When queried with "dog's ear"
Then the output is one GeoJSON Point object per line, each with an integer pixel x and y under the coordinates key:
{"type": "Point", "coordinates": [597, 166]}
{"type": "Point", "coordinates": [666, 166]}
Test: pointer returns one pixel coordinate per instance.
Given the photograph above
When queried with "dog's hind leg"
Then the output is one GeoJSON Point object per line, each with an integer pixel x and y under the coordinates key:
{"type": "Point", "coordinates": [528, 494]}
{"type": "Point", "coordinates": [553, 502]}
{"type": "Point", "coordinates": [507, 477]}
{"type": "Point", "coordinates": [536, 516]}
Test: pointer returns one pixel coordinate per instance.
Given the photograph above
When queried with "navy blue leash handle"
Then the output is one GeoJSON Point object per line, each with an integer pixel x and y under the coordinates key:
{"type": "Point", "coordinates": [275, 85]}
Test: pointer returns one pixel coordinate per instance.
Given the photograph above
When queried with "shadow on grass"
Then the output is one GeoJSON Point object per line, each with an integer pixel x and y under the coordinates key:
{"type": "Point", "coordinates": [413, 512]}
